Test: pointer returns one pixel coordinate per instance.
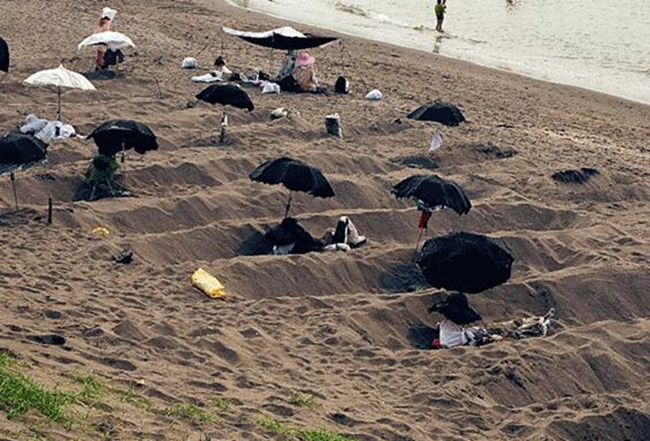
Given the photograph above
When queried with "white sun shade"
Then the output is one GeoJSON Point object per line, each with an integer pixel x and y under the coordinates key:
{"type": "Point", "coordinates": [60, 77]}
{"type": "Point", "coordinates": [114, 40]}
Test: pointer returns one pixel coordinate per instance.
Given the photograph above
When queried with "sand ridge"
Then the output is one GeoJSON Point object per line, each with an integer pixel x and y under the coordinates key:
{"type": "Point", "coordinates": [341, 327]}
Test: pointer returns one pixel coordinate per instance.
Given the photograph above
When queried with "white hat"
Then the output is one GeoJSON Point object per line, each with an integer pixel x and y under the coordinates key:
{"type": "Point", "coordinates": [109, 13]}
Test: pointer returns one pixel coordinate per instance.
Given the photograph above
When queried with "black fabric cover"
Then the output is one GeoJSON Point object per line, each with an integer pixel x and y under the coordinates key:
{"type": "Point", "coordinates": [18, 150]}
{"type": "Point", "coordinates": [294, 175]}
{"type": "Point", "coordinates": [4, 56]}
{"type": "Point", "coordinates": [110, 136]}
{"type": "Point", "coordinates": [465, 262]}
{"type": "Point", "coordinates": [227, 95]}
{"type": "Point", "coordinates": [433, 191]}
{"type": "Point", "coordinates": [438, 111]}
{"type": "Point", "coordinates": [280, 42]}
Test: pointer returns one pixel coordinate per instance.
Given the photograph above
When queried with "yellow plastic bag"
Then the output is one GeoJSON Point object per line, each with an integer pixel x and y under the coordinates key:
{"type": "Point", "coordinates": [207, 283]}
{"type": "Point", "coordinates": [101, 231]}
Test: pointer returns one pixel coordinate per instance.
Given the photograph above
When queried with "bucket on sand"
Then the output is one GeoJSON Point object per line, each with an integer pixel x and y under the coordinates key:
{"type": "Point", "coordinates": [333, 125]}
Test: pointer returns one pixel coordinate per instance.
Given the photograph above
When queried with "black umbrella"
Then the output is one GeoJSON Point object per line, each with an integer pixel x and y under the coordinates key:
{"type": "Point", "coordinates": [294, 175]}
{"type": "Point", "coordinates": [4, 56]}
{"type": "Point", "coordinates": [465, 262]}
{"type": "Point", "coordinates": [118, 135]}
{"type": "Point", "coordinates": [455, 307]}
{"type": "Point", "coordinates": [431, 192]}
{"type": "Point", "coordinates": [439, 111]}
{"type": "Point", "coordinates": [227, 95]}
{"type": "Point", "coordinates": [20, 151]}
{"type": "Point", "coordinates": [285, 38]}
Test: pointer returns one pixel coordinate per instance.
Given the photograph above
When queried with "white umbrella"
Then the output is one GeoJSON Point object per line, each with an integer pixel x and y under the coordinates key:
{"type": "Point", "coordinates": [114, 40]}
{"type": "Point", "coordinates": [60, 77]}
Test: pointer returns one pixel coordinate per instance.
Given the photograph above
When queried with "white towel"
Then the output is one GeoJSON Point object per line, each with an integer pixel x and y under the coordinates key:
{"type": "Point", "coordinates": [109, 13]}
{"type": "Point", "coordinates": [207, 78]}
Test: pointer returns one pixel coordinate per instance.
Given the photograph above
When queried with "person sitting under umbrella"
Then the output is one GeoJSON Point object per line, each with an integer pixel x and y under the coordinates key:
{"type": "Point", "coordinates": [305, 74]}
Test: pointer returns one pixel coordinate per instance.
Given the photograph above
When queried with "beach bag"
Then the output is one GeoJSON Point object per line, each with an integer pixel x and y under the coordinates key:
{"type": "Point", "coordinates": [342, 85]}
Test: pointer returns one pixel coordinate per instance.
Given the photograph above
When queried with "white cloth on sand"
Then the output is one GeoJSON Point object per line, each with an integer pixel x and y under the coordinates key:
{"type": "Point", "coordinates": [374, 95]}
{"type": "Point", "coordinates": [452, 335]}
{"type": "Point", "coordinates": [45, 130]}
{"type": "Point", "coordinates": [211, 77]}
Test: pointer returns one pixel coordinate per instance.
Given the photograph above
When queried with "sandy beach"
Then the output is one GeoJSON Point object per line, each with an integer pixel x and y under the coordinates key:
{"type": "Point", "coordinates": [323, 340]}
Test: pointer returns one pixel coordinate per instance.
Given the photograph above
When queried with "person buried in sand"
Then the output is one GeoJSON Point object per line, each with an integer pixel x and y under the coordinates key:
{"type": "Point", "coordinates": [440, 9]}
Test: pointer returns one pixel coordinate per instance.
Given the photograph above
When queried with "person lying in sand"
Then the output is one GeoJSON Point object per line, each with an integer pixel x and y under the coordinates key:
{"type": "Point", "coordinates": [291, 238]}
{"type": "Point", "coordinates": [452, 334]}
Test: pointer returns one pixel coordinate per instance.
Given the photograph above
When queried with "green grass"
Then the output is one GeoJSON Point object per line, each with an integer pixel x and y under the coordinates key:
{"type": "Point", "coordinates": [192, 413]}
{"type": "Point", "coordinates": [293, 434]}
{"type": "Point", "coordinates": [130, 397]}
{"type": "Point", "coordinates": [302, 400]}
{"type": "Point", "coordinates": [93, 389]}
{"type": "Point", "coordinates": [221, 403]}
{"type": "Point", "coordinates": [19, 395]}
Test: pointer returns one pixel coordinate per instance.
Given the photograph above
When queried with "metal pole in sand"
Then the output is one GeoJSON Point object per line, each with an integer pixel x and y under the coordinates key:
{"type": "Point", "coordinates": [49, 210]}
{"type": "Point", "coordinates": [13, 184]}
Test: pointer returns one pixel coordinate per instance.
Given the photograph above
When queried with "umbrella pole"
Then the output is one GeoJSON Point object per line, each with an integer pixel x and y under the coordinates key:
{"type": "Point", "coordinates": [286, 211]}
{"type": "Point", "coordinates": [58, 107]}
{"type": "Point", "coordinates": [417, 245]}
{"type": "Point", "coordinates": [13, 184]}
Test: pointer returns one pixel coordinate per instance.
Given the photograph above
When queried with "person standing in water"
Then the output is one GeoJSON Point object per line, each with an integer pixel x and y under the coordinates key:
{"type": "Point", "coordinates": [440, 9]}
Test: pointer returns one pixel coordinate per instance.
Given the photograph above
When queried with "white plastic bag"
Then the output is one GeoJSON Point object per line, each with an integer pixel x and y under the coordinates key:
{"type": "Point", "coordinates": [271, 88]}
{"type": "Point", "coordinates": [436, 141]}
{"type": "Point", "coordinates": [374, 95]}
{"type": "Point", "coordinates": [189, 63]}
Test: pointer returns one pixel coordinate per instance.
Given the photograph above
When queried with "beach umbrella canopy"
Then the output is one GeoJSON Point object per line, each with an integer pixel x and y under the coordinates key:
{"type": "Point", "coordinates": [438, 111]}
{"type": "Point", "coordinates": [118, 135]}
{"type": "Point", "coordinates": [455, 307]}
{"type": "Point", "coordinates": [465, 262]}
{"type": "Point", "coordinates": [61, 78]}
{"type": "Point", "coordinates": [433, 192]}
{"type": "Point", "coordinates": [295, 175]}
{"type": "Point", "coordinates": [114, 40]}
{"type": "Point", "coordinates": [4, 56]}
{"type": "Point", "coordinates": [285, 38]}
{"type": "Point", "coordinates": [18, 150]}
{"type": "Point", "coordinates": [227, 95]}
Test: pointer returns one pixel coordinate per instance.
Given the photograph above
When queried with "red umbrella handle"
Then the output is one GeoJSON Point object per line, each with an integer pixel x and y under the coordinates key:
{"type": "Point", "coordinates": [424, 219]}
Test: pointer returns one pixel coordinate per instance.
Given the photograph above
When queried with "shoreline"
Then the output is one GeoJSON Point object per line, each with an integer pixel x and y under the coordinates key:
{"type": "Point", "coordinates": [474, 62]}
